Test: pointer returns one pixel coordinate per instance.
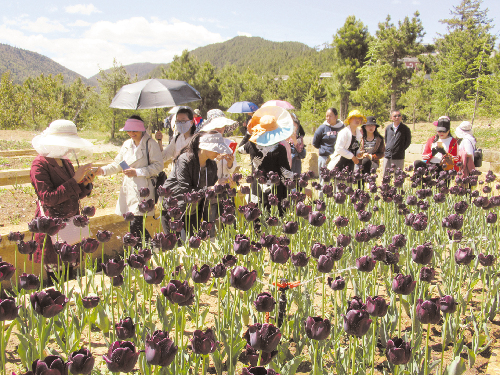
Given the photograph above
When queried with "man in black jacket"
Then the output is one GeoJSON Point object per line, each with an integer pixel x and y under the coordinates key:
{"type": "Point", "coordinates": [397, 140]}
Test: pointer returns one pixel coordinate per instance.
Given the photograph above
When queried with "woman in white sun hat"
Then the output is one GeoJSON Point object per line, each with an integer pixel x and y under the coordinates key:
{"type": "Point", "coordinates": [467, 146]}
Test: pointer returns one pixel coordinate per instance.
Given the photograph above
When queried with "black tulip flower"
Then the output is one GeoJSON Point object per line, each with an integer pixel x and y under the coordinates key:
{"type": "Point", "coordinates": [118, 280]}
{"type": "Point", "coordinates": [242, 279]}
{"type": "Point", "coordinates": [125, 328]}
{"type": "Point", "coordinates": [464, 256]}
{"type": "Point", "coordinates": [194, 242]}
{"type": "Point", "coordinates": [164, 191]}
{"type": "Point", "coordinates": [453, 221]}
{"type": "Point", "coordinates": [267, 240]}
{"type": "Point", "coordinates": [88, 211]}
{"type": "Point", "coordinates": [486, 260]}
{"type": "Point", "coordinates": [375, 231]}
{"type": "Point", "coordinates": [229, 260]}
{"type": "Point", "coordinates": [272, 221]}
{"type": "Point", "coordinates": [8, 309]}
{"type": "Point", "coordinates": [264, 302]}
{"type": "Point", "coordinates": [28, 247]}
{"type": "Point", "coordinates": [447, 304]}
{"type": "Point", "coordinates": [357, 322]}
{"type": "Point", "coordinates": [252, 213]}
{"type": "Point", "coordinates": [428, 312]}
{"type": "Point", "coordinates": [378, 253]}
{"type": "Point", "coordinates": [48, 303]}
{"type": "Point", "coordinates": [153, 276]}
{"type": "Point", "coordinates": [265, 337]}
{"type": "Point", "coordinates": [259, 370]}
{"type": "Point", "coordinates": [128, 216]}
{"type": "Point", "coordinates": [290, 227]}
{"type": "Point", "coordinates": [365, 264]}
{"type": "Point", "coordinates": [143, 192]}
{"type": "Point", "coordinates": [228, 219]}
{"type": "Point", "coordinates": [362, 236]}
{"type": "Point", "coordinates": [164, 241]}
{"type": "Point", "coordinates": [422, 254]}
{"type": "Point", "coordinates": [175, 213]}
{"type": "Point", "coordinates": [16, 236]}
{"type": "Point", "coordinates": [273, 200]}
{"type": "Point", "coordinates": [29, 282]}
{"type": "Point", "coordinates": [335, 252]}
{"type": "Point", "coordinates": [320, 205]}
{"type": "Point", "coordinates": [411, 200]}
{"type": "Point", "coordinates": [391, 257]}
{"type": "Point", "coordinates": [241, 244]}
{"type": "Point", "coordinates": [251, 356]}
{"type": "Point", "coordinates": [317, 328]}
{"type": "Point", "coordinates": [89, 245]}
{"type": "Point", "coordinates": [48, 225]}
{"type": "Point", "coordinates": [364, 216]}
{"type": "Point", "coordinates": [90, 302]}
{"type": "Point", "coordinates": [113, 268]}
{"type": "Point", "coordinates": [341, 221]}
{"type": "Point", "coordinates": [80, 221]}
{"type": "Point", "coordinates": [179, 292]}
{"type": "Point", "coordinates": [325, 263]}
{"type": "Point", "coordinates": [328, 190]}
{"type": "Point", "coordinates": [81, 362]}
{"type": "Point", "coordinates": [136, 261]}
{"type": "Point", "coordinates": [171, 202]}
{"type": "Point", "coordinates": [339, 197]}
{"type": "Point", "coordinates": [219, 270]}
{"type": "Point", "coordinates": [202, 275]}
{"type": "Point", "coordinates": [491, 218]}
{"type": "Point", "coordinates": [316, 218]}
{"type": "Point", "coordinates": [403, 284]}
{"type": "Point", "coordinates": [302, 210]}
{"type": "Point", "coordinates": [317, 250]}
{"type": "Point", "coordinates": [455, 235]}
{"type": "Point", "coordinates": [343, 240]}
{"type": "Point", "coordinates": [145, 253]}
{"type": "Point", "coordinates": [104, 235]}
{"type": "Point", "coordinates": [7, 270]}
{"type": "Point", "coordinates": [146, 205]}
{"type": "Point", "coordinates": [336, 284]}
{"type": "Point", "coordinates": [51, 365]}
{"type": "Point", "coordinates": [300, 259]}
{"type": "Point", "coordinates": [159, 349]}
{"type": "Point", "coordinates": [399, 240]}
{"type": "Point", "coordinates": [245, 190]}
{"type": "Point", "coordinates": [461, 207]}
{"type": "Point", "coordinates": [427, 274]}
{"type": "Point", "coordinates": [122, 356]}
{"type": "Point", "coordinates": [279, 254]}
{"type": "Point", "coordinates": [68, 253]}
{"type": "Point", "coordinates": [130, 240]}
{"type": "Point", "coordinates": [376, 306]}
{"type": "Point", "coordinates": [398, 352]}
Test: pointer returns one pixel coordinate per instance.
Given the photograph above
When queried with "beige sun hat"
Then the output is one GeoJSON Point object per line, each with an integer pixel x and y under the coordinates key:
{"type": "Point", "coordinates": [463, 129]}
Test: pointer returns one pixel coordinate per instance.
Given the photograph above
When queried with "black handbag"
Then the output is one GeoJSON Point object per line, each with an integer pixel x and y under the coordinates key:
{"type": "Point", "coordinates": [478, 158]}
{"type": "Point", "coordinates": [157, 180]}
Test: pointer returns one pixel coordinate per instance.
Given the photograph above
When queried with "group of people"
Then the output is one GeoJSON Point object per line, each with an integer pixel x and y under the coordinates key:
{"type": "Point", "coordinates": [203, 158]}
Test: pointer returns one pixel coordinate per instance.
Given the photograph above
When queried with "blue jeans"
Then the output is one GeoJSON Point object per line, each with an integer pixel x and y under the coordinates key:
{"type": "Point", "coordinates": [321, 164]}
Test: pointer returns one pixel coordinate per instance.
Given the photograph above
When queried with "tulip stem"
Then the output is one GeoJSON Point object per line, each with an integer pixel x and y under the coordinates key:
{"type": "Point", "coordinates": [204, 372]}
{"type": "Point", "coordinates": [112, 312]}
{"type": "Point", "coordinates": [399, 315]}
{"type": "Point", "coordinates": [426, 361]}
{"type": "Point", "coordinates": [374, 343]}
{"type": "Point", "coordinates": [324, 298]}
{"type": "Point", "coordinates": [353, 354]}
{"type": "Point", "coordinates": [41, 261]}
{"type": "Point", "coordinates": [443, 345]}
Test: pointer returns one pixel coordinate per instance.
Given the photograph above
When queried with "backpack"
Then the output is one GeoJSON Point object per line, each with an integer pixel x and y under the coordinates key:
{"type": "Point", "coordinates": [478, 157]}
{"type": "Point", "coordinates": [158, 180]}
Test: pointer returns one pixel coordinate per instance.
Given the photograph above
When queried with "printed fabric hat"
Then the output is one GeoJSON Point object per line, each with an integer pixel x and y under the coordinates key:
{"type": "Point", "coordinates": [371, 120]}
{"type": "Point", "coordinates": [60, 140]}
{"type": "Point", "coordinates": [197, 112]}
{"type": "Point", "coordinates": [133, 125]}
{"type": "Point", "coordinates": [216, 120]}
{"type": "Point", "coordinates": [465, 128]}
{"type": "Point", "coordinates": [214, 142]}
{"type": "Point", "coordinates": [354, 113]}
{"type": "Point", "coordinates": [443, 124]}
{"type": "Point", "coordinates": [270, 125]}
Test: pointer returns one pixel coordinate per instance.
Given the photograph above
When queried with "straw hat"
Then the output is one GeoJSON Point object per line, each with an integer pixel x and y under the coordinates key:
{"type": "Point", "coordinates": [216, 120]}
{"type": "Point", "coordinates": [270, 125]}
{"type": "Point", "coordinates": [354, 113]}
{"type": "Point", "coordinates": [60, 140]}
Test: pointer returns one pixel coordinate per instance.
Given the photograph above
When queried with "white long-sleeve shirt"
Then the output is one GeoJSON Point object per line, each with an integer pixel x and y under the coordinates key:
{"type": "Point", "coordinates": [342, 145]}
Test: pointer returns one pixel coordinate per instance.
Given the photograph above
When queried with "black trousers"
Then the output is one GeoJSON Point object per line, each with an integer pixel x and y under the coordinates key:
{"type": "Point", "coordinates": [136, 228]}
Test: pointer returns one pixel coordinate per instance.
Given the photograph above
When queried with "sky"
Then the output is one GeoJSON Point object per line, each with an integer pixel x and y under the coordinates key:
{"type": "Point", "coordinates": [87, 36]}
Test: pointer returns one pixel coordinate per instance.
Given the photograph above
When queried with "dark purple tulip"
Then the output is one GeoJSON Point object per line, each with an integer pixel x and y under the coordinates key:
{"type": "Point", "coordinates": [453, 221]}
{"type": "Point", "coordinates": [391, 257]}
{"type": "Point", "coordinates": [29, 282]}
{"type": "Point", "coordinates": [164, 241]}
{"type": "Point", "coordinates": [267, 240]}
{"type": "Point", "coordinates": [125, 328]}
{"type": "Point", "coordinates": [242, 279]}
{"type": "Point", "coordinates": [454, 235]}
{"type": "Point", "coordinates": [427, 274]}
{"type": "Point", "coordinates": [336, 284]}
{"type": "Point", "coordinates": [51, 365]}
{"type": "Point", "coordinates": [357, 322]}
{"type": "Point", "coordinates": [88, 211]}
{"type": "Point", "coordinates": [48, 225]}
{"type": "Point", "coordinates": [464, 256]}
{"type": "Point", "coordinates": [300, 259]}
{"type": "Point", "coordinates": [365, 264]}
{"type": "Point", "coordinates": [317, 328]}
{"type": "Point", "coordinates": [362, 236]}
{"type": "Point", "coordinates": [272, 221]}
{"type": "Point", "coordinates": [335, 252]}
{"type": "Point", "coordinates": [491, 218]}
{"type": "Point", "coordinates": [317, 250]}
{"type": "Point", "coordinates": [89, 245]}
{"type": "Point", "coordinates": [403, 284]}
{"type": "Point", "coordinates": [164, 192]}
{"type": "Point", "coordinates": [325, 264]}
{"type": "Point", "coordinates": [251, 213]}
{"type": "Point", "coordinates": [273, 200]}
{"type": "Point", "coordinates": [303, 210]}
{"type": "Point", "coordinates": [130, 240]}
{"type": "Point", "coordinates": [375, 231]}
{"type": "Point", "coordinates": [8, 309]}
{"type": "Point", "coordinates": [179, 292]}
{"type": "Point", "coordinates": [136, 261]}
{"type": "Point", "coordinates": [194, 242]}
{"type": "Point", "coordinates": [285, 204]}
{"type": "Point", "coordinates": [200, 276]}
{"type": "Point", "coordinates": [259, 370]}
{"type": "Point", "coordinates": [439, 198]}
{"type": "Point", "coordinates": [118, 280]}
{"type": "Point", "coordinates": [364, 216]}
{"type": "Point", "coordinates": [128, 216]}
{"type": "Point", "coordinates": [486, 260]}
{"type": "Point", "coordinates": [428, 311]}
{"type": "Point", "coordinates": [316, 218]}
{"type": "Point", "coordinates": [461, 207]}
{"type": "Point", "coordinates": [159, 349]}
{"type": "Point", "coordinates": [153, 276]}
{"type": "Point", "coordinates": [80, 221]}
{"type": "Point", "coordinates": [229, 260]}
{"type": "Point", "coordinates": [245, 190]}
{"type": "Point", "coordinates": [279, 254]}
{"type": "Point", "coordinates": [16, 236]}
{"type": "Point", "coordinates": [378, 253]}
{"type": "Point", "coordinates": [339, 197]}
{"type": "Point", "coordinates": [219, 271]}
{"type": "Point", "coordinates": [343, 240]}
{"type": "Point", "coordinates": [113, 268]}
{"type": "Point", "coordinates": [143, 192]}
{"type": "Point", "coordinates": [422, 254]}
{"type": "Point", "coordinates": [398, 352]}
{"type": "Point", "coordinates": [265, 337]}
{"type": "Point", "coordinates": [264, 302]}
{"type": "Point", "coordinates": [399, 240]}
{"type": "Point", "coordinates": [81, 362]}
{"type": "Point", "coordinates": [320, 205]}
{"type": "Point", "coordinates": [104, 235]}
{"type": "Point", "coordinates": [122, 356]}
{"type": "Point", "coordinates": [341, 221]}
{"type": "Point", "coordinates": [175, 213]}
{"type": "Point", "coordinates": [146, 205]}
{"type": "Point", "coordinates": [203, 343]}
{"type": "Point", "coordinates": [90, 302]}
{"type": "Point", "coordinates": [411, 200]}
{"type": "Point", "coordinates": [146, 254]}
{"type": "Point", "coordinates": [251, 356]}
{"type": "Point", "coordinates": [376, 306]}
{"type": "Point", "coordinates": [48, 303]}
{"type": "Point", "coordinates": [241, 244]}
{"type": "Point", "coordinates": [228, 219]}
{"type": "Point", "coordinates": [290, 227]}
{"type": "Point", "coordinates": [28, 247]}
{"type": "Point", "coordinates": [7, 270]}
{"type": "Point", "coordinates": [447, 304]}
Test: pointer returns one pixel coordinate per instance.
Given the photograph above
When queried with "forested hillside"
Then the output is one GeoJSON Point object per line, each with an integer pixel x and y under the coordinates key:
{"type": "Point", "coordinates": [23, 64]}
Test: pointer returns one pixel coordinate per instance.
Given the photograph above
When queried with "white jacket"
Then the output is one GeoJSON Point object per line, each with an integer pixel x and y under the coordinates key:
{"type": "Point", "coordinates": [129, 199]}
{"type": "Point", "coordinates": [342, 144]}
{"type": "Point", "coordinates": [173, 149]}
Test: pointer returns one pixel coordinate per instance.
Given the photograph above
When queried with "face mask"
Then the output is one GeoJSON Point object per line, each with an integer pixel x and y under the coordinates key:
{"type": "Point", "coordinates": [183, 126]}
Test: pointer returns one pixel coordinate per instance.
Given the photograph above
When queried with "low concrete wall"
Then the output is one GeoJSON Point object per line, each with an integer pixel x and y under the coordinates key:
{"type": "Point", "coordinates": [11, 153]}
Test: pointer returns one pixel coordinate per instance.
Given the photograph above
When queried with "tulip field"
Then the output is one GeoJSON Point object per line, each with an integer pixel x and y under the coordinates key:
{"type": "Point", "coordinates": [397, 278]}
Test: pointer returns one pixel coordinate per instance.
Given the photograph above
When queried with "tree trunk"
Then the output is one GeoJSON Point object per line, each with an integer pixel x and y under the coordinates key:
{"type": "Point", "coordinates": [393, 101]}
{"type": "Point", "coordinates": [344, 105]}
{"type": "Point", "coordinates": [414, 109]}
{"type": "Point", "coordinates": [113, 121]}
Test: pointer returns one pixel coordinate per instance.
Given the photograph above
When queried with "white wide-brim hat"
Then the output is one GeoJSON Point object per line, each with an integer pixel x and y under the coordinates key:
{"type": "Point", "coordinates": [465, 128]}
{"type": "Point", "coordinates": [214, 142]}
{"type": "Point", "coordinates": [283, 119]}
{"type": "Point", "coordinates": [60, 140]}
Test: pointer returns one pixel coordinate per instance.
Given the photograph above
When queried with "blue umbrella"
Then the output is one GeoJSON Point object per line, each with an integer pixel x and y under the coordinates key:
{"type": "Point", "coordinates": [243, 107]}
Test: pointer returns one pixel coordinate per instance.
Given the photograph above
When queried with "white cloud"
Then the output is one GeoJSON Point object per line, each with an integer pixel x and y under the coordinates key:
{"type": "Point", "coordinates": [242, 33]}
{"type": "Point", "coordinates": [41, 25]}
{"type": "Point", "coordinates": [85, 9]}
{"type": "Point", "coordinates": [79, 23]}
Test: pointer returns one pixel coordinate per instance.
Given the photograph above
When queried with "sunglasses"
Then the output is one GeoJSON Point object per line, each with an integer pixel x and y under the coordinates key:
{"type": "Point", "coordinates": [397, 115]}
{"type": "Point", "coordinates": [440, 131]}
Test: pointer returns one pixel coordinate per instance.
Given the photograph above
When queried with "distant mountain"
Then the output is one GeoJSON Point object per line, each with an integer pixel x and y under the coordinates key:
{"type": "Point", "coordinates": [142, 70]}
{"type": "Point", "coordinates": [23, 64]}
